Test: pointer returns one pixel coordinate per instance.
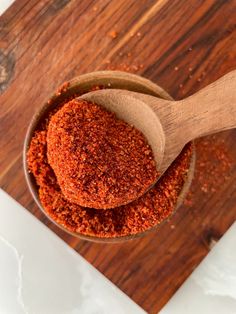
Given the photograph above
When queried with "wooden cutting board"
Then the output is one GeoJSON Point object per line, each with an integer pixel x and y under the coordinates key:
{"type": "Point", "coordinates": [182, 48]}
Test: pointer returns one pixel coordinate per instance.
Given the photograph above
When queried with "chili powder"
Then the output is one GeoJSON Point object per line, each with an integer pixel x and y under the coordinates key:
{"type": "Point", "coordinates": [99, 160]}
{"type": "Point", "coordinates": [138, 216]}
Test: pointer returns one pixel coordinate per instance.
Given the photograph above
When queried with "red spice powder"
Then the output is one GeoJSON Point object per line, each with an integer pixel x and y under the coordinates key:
{"type": "Point", "coordinates": [99, 160]}
{"type": "Point", "coordinates": [138, 216]}
{"type": "Point", "coordinates": [213, 163]}
{"type": "Point", "coordinates": [213, 168]}
{"type": "Point", "coordinates": [113, 34]}
{"type": "Point", "coordinates": [124, 66]}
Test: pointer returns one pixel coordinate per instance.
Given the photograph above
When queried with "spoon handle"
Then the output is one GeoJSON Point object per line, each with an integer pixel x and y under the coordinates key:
{"type": "Point", "coordinates": [211, 110]}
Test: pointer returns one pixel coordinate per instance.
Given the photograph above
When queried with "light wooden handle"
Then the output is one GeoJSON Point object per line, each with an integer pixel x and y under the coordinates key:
{"type": "Point", "coordinates": [211, 110]}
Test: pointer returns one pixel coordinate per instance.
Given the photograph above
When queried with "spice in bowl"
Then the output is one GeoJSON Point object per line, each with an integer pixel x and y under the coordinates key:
{"type": "Point", "coordinates": [137, 217]}
{"type": "Point", "coordinates": [99, 160]}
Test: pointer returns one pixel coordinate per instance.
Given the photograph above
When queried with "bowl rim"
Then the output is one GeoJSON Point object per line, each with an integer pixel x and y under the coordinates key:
{"type": "Point", "coordinates": [109, 78]}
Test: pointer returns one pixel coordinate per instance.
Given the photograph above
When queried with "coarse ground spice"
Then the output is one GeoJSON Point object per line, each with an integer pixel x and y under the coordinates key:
{"type": "Point", "coordinates": [211, 173]}
{"type": "Point", "coordinates": [99, 160]}
{"type": "Point", "coordinates": [138, 216]}
{"type": "Point", "coordinates": [124, 66]}
{"type": "Point", "coordinates": [113, 34]}
{"type": "Point", "coordinates": [213, 168]}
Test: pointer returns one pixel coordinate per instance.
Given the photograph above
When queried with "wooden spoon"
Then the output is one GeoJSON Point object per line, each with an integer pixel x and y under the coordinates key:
{"type": "Point", "coordinates": [169, 125]}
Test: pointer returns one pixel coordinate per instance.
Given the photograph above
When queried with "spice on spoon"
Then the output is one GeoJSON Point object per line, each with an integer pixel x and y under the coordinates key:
{"type": "Point", "coordinates": [99, 160]}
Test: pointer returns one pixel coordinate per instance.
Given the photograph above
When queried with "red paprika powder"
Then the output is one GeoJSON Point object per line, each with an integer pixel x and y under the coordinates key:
{"type": "Point", "coordinates": [99, 161]}
{"type": "Point", "coordinates": [138, 216]}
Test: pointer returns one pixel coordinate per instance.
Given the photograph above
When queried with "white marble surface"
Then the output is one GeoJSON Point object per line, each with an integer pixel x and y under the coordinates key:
{"type": "Point", "coordinates": [40, 274]}
{"type": "Point", "coordinates": [211, 289]}
{"type": "Point", "coordinates": [4, 4]}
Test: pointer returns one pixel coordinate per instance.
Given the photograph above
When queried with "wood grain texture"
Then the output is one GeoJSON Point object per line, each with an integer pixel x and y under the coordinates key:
{"type": "Point", "coordinates": [182, 48]}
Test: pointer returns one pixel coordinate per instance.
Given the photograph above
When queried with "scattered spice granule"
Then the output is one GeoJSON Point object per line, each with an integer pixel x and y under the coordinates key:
{"type": "Point", "coordinates": [213, 167]}
{"type": "Point", "coordinates": [125, 67]}
{"type": "Point", "coordinates": [113, 34]}
{"type": "Point", "coordinates": [176, 68]}
{"type": "Point", "coordinates": [138, 34]}
{"type": "Point", "coordinates": [213, 163]}
{"type": "Point", "coordinates": [136, 217]}
{"type": "Point", "coordinates": [99, 160]}
{"type": "Point", "coordinates": [97, 87]}
{"type": "Point", "coordinates": [63, 88]}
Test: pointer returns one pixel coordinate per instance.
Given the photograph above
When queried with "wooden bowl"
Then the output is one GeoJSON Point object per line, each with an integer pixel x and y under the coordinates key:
{"type": "Point", "coordinates": [83, 84]}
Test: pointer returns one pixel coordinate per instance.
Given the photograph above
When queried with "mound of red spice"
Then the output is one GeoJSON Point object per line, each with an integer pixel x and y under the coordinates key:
{"type": "Point", "coordinates": [138, 216]}
{"type": "Point", "coordinates": [99, 160]}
